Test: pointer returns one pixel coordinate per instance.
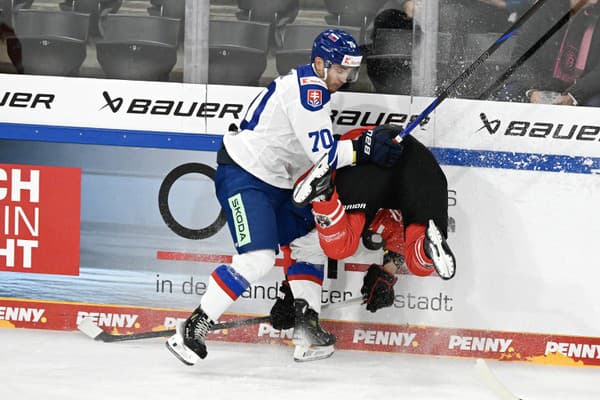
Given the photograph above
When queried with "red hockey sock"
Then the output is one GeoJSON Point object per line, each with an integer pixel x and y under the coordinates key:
{"type": "Point", "coordinates": [414, 252]}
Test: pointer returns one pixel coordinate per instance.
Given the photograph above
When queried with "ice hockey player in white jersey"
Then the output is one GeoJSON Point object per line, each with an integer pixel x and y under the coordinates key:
{"type": "Point", "coordinates": [286, 130]}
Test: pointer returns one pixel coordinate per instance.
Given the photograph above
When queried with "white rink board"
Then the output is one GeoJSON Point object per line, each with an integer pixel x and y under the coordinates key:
{"type": "Point", "coordinates": [525, 240]}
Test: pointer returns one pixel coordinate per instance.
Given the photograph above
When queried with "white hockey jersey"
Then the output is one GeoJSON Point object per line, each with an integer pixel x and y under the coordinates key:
{"type": "Point", "coordinates": [287, 128]}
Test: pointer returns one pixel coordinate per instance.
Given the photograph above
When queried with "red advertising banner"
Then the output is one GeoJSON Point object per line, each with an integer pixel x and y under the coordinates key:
{"type": "Point", "coordinates": [411, 339]}
{"type": "Point", "coordinates": [39, 219]}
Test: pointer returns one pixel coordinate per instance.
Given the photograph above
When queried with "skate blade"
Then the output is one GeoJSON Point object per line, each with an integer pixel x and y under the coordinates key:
{"type": "Point", "coordinates": [181, 351]}
{"type": "Point", "coordinates": [443, 260]}
{"type": "Point", "coordinates": [312, 353]}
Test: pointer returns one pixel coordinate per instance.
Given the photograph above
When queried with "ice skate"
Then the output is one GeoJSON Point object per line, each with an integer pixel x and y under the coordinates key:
{"type": "Point", "coordinates": [316, 185]}
{"type": "Point", "coordinates": [438, 250]}
{"type": "Point", "coordinates": [188, 344]}
{"type": "Point", "coordinates": [312, 342]}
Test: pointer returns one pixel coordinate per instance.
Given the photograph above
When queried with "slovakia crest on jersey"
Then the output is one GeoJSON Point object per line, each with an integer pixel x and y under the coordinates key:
{"type": "Point", "coordinates": [314, 97]}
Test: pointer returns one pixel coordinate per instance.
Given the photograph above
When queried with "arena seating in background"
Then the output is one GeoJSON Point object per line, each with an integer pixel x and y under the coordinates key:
{"type": "Point", "coordinates": [494, 66]}
{"type": "Point", "coordinates": [268, 10]}
{"type": "Point", "coordinates": [170, 9]}
{"type": "Point", "coordinates": [8, 7]}
{"type": "Point", "coordinates": [297, 44]}
{"type": "Point", "coordinates": [48, 42]}
{"type": "Point", "coordinates": [6, 13]}
{"type": "Point", "coordinates": [389, 65]}
{"type": "Point", "coordinates": [238, 52]}
{"type": "Point", "coordinates": [138, 47]}
{"type": "Point", "coordinates": [94, 8]}
{"type": "Point", "coordinates": [353, 13]}
{"type": "Point", "coordinates": [448, 53]}
{"type": "Point", "coordinates": [277, 13]}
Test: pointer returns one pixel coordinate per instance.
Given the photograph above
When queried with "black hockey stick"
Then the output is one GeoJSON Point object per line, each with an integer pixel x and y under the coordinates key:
{"type": "Point", "coordinates": [535, 47]}
{"type": "Point", "coordinates": [95, 332]}
{"type": "Point", "coordinates": [471, 69]}
{"type": "Point", "coordinates": [88, 327]}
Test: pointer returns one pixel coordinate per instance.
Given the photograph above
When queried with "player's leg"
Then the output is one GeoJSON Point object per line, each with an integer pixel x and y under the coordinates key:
{"type": "Point", "coordinates": [423, 197]}
{"type": "Point", "coordinates": [251, 218]}
{"type": "Point", "coordinates": [426, 249]}
{"type": "Point", "coordinates": [417, 260]}
{"type": "Point", "coordinates": [438, 250]}
{"type": "Point", "coordinates": [311, 341]}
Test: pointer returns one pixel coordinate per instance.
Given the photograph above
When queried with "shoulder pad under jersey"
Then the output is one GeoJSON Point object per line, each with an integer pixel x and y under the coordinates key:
{"type": "Point", "coordinates": [313, 91]}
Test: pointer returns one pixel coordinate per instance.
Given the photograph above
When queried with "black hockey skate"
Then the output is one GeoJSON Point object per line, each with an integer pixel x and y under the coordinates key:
{"type": "Point", "coordinates": [188, 344]}
{"type": "Point", "coordinates": [312, 342]}
{"type": "Point", "coordinates": [317, 184]}
{"type": "Point", "coordinates": [438, 250]}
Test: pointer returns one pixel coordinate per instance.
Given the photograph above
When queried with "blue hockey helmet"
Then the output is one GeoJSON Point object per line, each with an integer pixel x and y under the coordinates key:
{"type": "Point", "coordinates": [336, 46]}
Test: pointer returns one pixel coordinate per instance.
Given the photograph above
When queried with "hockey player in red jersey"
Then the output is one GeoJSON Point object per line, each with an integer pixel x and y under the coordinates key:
{"type": "Point", "coordinates": [406, 205]}
{"type": "Point", "coordinates": [416, 186]}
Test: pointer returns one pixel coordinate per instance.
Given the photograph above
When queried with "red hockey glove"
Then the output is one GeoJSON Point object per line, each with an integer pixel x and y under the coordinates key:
{"type": "Point", "coordinates": [378, 288]}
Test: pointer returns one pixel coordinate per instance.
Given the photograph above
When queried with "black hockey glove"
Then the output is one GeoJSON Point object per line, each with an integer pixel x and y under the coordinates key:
{"type": "Point", "coordinates": [376, 146]}
{"type": "Point", "coordinates": [282, 313]}
{"type": "Point", "coordinates": [378, 288]}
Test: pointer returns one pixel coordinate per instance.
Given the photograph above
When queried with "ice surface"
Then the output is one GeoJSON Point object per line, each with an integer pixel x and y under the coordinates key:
{"type": "Point", "coordinates": [38, 365]}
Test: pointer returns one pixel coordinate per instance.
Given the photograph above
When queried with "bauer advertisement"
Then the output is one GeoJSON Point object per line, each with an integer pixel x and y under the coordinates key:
{"type": "Point", "coordinates": [110, 212]}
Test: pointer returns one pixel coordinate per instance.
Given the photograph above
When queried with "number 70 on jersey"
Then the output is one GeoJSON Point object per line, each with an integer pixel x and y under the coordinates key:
{"type": "Point", "coordinates": [321, 139]}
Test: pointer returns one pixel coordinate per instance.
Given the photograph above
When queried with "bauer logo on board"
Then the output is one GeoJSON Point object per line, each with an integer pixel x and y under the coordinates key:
{"type": "Point", "coordinates": [39, 219]}
{"type": "Point", "coordinates": [539, 129]}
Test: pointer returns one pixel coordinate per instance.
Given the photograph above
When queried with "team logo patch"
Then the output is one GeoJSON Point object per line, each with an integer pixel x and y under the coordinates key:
{"type": "Point", "coordinates": [240, 220]}
{"type": "Point", "coordinates": [322, 220]}
{"type": "Point", "coordinates": [314, 97]}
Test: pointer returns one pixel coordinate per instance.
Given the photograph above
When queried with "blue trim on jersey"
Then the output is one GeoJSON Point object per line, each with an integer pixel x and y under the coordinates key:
{"type": "Point", "coordinates": [333, 155]}
{"type": "Point", "coordinates": [245, 125]}
{"type": "Point", "coordinates": [320, 95]}
{"type": "Point", "coordinates": [304, 270]}
{"type": "Point", "coordinates": [232, 279]}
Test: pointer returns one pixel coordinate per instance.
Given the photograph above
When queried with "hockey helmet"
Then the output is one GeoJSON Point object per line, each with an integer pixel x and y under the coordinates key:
{"type": "Point", "coordinates": [336, 46]}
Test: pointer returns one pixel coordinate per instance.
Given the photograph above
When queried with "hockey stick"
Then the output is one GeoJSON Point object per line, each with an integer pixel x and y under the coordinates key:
{"type": "Point", "coordinates": [492, 382]}
{"type": "Point", "coordinates": [92, 330]}
{"type": "Point", "coordinates": [470, 70]}
{"type": "Point", "coordinates": [89, 328]}
{"type": "Point", "coordinates": [536, 46]}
